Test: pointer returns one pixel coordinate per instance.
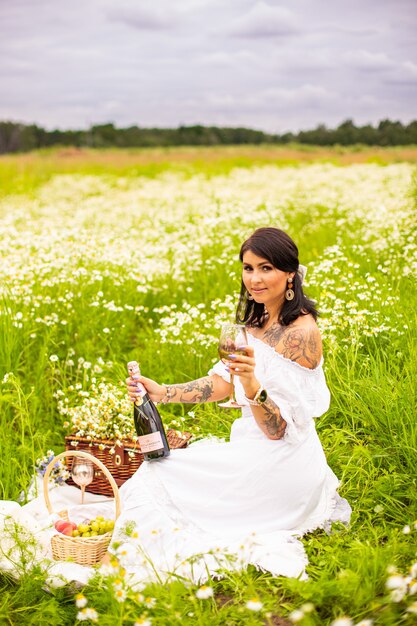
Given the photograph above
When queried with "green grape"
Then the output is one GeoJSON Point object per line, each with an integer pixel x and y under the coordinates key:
{"type": "Point", "coordinates": [82, 528]}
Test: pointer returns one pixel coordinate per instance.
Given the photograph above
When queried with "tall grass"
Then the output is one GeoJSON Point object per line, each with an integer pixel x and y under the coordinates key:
{"type": "Point", "coordinates": [171, 240]}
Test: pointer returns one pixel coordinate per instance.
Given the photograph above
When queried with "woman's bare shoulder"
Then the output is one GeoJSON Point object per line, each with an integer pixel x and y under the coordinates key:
{"type": "Point", "coordinates": [301, 342]}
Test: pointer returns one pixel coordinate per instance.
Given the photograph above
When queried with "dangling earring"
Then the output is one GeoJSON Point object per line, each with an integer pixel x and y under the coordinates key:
{"type": "Point", "coordinates": [248, 296]}
{"type": "Point", "coordinates": [289, 294]}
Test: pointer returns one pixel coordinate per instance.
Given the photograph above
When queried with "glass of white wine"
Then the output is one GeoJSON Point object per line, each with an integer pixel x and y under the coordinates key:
{"type": "Point", "coordinates": [233, 339]}
{"type": "Point", "coordinates": [82, 473]}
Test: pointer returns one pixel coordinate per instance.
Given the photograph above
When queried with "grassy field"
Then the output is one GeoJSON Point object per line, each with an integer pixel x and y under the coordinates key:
{"type": "Point", "coordinates": [108, 256]}
{"type": "Point", "coordinates": [25, 172]}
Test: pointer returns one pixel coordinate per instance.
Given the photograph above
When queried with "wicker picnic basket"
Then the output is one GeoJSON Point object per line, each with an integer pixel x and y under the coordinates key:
{"type": "Point", "coordinates": [82, 550]}
{"type": "Point", "coordinates": [121, 460]}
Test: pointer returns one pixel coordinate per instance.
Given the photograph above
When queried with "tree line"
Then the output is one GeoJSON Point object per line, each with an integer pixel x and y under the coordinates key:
{"type": "Point", "coordinates": [17, 137]}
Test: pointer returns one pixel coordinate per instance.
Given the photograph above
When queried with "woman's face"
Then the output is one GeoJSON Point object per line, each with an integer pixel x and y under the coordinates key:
{"type": "Point", "coordinates": [265, 283]}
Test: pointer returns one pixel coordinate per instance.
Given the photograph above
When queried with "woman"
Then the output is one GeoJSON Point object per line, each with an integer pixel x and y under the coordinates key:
{"type": "Point", "coordinates": [246, 500]}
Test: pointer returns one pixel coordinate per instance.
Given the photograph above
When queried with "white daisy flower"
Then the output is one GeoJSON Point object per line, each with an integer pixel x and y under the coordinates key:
{"type": "Point", "coordinates": [254, 604]}
{"type": "Point", "coordinates": [87, 614]}
{"type": "Point", "coordinates": [80, 600]}
{"type": "Point", "coordinates": [296, 616]}
{"type": "Point", "coordinates": [204, 592]}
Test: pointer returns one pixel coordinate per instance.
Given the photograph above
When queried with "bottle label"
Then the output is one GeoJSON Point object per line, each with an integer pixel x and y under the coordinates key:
{"type": "Point", "coordinates": [150, 443]}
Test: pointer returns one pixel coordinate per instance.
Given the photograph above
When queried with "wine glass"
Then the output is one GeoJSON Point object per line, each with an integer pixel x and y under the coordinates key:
{"type": "Point", "coordinates": [82, 473]}
{"type": "Point", "coordinates": [232, 340]}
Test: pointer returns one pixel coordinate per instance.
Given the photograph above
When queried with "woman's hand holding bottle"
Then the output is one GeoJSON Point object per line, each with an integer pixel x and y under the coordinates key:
{"type": "Point", "coordinates": [156, 392]}
{"type": "Point", "coordinates": [148, 423]}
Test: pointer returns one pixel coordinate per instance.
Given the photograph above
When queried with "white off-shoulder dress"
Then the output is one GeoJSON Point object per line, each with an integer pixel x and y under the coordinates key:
{"type": "Point", "coordinates": [216, 504]}
{"type": "Point", "coordinates": [248, 500]}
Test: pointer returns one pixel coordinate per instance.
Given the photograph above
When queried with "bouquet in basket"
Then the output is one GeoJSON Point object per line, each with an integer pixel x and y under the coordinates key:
{"type": "Point", "coordinates": [104, 412]}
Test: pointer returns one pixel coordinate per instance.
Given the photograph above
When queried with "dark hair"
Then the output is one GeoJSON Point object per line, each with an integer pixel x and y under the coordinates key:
{"type": "Point", "coordinates": [279, 249]}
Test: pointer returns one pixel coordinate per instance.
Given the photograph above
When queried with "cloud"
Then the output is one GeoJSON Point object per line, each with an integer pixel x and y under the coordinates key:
{"type": "Point", "coordinates": [152, 19]}
{"type": "Point", "coordinates": [369, 61]}
{"type": "Point", "coordinates": [264, 20]}
{"type": "Point", "coordinates": [301, 61]}
{"type": "Point", "coordinates": [278, 99]}
{"type": "Point", "coordinates": [228, 59]}
{"type": "Point", "coordinates": [392, 71]}
{"type": "Point", "coordinates": [405, 73]}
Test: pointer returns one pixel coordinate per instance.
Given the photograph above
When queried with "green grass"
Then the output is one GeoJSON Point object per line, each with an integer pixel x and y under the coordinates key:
{"type": "Point", "coordinates": [61, 252]}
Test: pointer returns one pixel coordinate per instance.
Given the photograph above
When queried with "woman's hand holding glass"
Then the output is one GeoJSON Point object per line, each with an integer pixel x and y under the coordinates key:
{"type": "Point", "coordinates": [235, 352]}
{"type": "Point", "coordinates": [243, 366]}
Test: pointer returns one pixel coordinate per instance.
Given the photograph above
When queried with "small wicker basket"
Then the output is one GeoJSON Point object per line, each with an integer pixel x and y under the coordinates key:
{"type": "Point", "coordinates": [82, 550]}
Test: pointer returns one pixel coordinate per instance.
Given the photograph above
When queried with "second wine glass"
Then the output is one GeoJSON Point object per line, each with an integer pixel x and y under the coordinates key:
{"type": "Point", "coordinates": [82, 473]}
{"type": "Point", "coordinates": [233, 339]}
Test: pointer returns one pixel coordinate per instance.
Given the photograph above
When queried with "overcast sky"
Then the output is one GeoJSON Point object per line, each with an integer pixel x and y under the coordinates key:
{"type": "Point", "coordinates": [266, 64]}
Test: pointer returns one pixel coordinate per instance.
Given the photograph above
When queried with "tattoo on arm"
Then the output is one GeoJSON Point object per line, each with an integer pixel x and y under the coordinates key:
{"type": "Point", "coordinates": [302, 345]}
{"type": "Point", "coordinates": [269, 419]}
{"type": "Point", "coordinates": [273, 422]}
{"type": "Point", "coordinates": [193, 392]}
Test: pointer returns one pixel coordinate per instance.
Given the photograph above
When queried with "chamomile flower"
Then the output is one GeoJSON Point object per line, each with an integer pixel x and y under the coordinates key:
{"type": "Point", "coordinates": [254, 604]}
{"type": "Point", "coordinates": [204, 592]}
{"type": "Point", "coordinates": [80, 601]}
{"type": "Point", "coordinates": [87, 614]}
{"type": "Point", "coordinates": [120, 594]}
{"type": "Point", "coordinates": [296, 616]}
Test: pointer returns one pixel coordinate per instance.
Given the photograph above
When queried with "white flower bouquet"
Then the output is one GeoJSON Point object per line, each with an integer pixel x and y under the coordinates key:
{"type": "Point", "coordinates": [103, 412]}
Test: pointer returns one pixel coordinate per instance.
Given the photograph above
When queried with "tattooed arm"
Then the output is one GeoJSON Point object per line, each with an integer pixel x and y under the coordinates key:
{"type": "Point", "coordinates": [207, 389]}
{"type": "Point", "coordinates": [269, 419]}
{"type": "Point", "coordinates": [299, 343]}
{"type": "Point", "coordinates": [267, 415]}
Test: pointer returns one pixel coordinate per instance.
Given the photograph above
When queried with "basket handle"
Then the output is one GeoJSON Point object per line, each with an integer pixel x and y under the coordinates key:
{"type": "Point", "coordinates": [91, 458]}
